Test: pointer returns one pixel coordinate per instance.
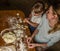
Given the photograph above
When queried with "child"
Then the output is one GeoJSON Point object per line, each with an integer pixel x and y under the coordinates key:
{"type": "Point", "coordinates": [35, 17]}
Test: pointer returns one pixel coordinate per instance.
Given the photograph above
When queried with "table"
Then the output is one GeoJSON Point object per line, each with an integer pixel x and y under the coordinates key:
{"type": "Point", "coordinates": [4, 15]}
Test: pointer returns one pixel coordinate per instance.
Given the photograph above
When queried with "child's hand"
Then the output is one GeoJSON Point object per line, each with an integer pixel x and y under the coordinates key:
{"type": "Point", "coordinates": [25, 20]}
{"type": "Point", "coordinates": [28, 18]}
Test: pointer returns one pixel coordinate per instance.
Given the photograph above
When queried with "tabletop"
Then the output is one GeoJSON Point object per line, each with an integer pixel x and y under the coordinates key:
{"type": "Point", "coordinates": [4, 15]}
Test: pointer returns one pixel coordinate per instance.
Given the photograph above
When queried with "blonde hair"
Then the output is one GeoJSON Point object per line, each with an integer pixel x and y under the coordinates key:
{"type": "Point", "coordinates": [57, 25]}
{"type": "Point", "coordinates": [38, 7]}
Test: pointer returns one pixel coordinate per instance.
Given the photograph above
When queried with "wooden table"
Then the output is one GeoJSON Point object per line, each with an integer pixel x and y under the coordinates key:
{"type": "Point", "coordinates": [4, 15]}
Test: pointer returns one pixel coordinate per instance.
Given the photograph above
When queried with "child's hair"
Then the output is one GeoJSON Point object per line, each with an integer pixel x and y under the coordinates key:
{"type": "Point", "coordinates": [57, 25]}
{"type": "Point", "coordinates": [38, 7]}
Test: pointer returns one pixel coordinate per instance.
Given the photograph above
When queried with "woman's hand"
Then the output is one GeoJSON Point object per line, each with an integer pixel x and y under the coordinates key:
{"type": "Point", "coordinates": [31, 45]}
{"type": "Point", "coordinates": [29, 39]}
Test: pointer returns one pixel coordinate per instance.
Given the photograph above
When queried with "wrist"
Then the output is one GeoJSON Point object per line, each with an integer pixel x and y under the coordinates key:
{"type": "Point", "coordinates": [28, 22]}
{"type": "Point", "coordinates": [37, 44]}
{"type": "Point", "coordinates": [32, 36]}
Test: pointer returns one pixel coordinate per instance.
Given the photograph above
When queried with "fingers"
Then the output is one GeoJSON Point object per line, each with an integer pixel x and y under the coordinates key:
{"type": "Point", "coordinates": [25, 20]}
{"type": "Point", "coordinates": [29, 40]}
{"type": "Point", "coordinates": [31, 45]}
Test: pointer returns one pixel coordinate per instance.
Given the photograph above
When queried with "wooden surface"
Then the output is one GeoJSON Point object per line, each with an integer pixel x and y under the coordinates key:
{"type": "Point", "coordinates": [4, 15]}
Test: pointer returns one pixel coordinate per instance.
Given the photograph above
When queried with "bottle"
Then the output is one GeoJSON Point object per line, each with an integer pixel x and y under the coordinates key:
{"type": "Point", "coordinates": [18, 15]}
{"type": "Point", "coordinates": [19, 18]}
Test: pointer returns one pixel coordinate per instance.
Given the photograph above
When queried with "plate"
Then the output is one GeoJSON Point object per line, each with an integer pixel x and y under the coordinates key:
{"type": "Point", "coordinates": [9, 37]}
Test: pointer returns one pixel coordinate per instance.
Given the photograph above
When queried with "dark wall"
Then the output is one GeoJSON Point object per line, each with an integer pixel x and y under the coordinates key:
{"type": "Point", "coordinates": [24, 5]}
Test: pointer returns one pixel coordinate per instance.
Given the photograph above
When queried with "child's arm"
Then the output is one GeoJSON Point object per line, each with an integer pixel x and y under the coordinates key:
{"type": "Point", "coordinates": [31, 23]}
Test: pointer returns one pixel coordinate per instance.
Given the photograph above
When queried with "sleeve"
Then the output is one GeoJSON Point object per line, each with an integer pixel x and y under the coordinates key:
{"type": "Point", "coordinates": [38, 27]}
{"type": "Point", "coordinates": [54, 39]}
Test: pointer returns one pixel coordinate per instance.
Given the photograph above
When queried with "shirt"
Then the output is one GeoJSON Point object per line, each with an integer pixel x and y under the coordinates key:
{"type": "Point", "coordinates": [43, 36]}
{"type": "Point", "coordinates": [35, 19]}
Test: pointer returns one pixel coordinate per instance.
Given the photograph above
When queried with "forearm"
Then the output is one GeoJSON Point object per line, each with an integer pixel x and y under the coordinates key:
{"type": "Point", "coordinates": [35, 32]}
{"type": "Point", "coordinates": [28, 18]}
{"type": "Point", "coordinates": [32, 24]}
{"type": "Point", "coordinates": [42, 45]}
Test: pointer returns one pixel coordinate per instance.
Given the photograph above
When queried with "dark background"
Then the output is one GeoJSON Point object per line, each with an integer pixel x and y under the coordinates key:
{"type": "Point", "coordinates": [25, 6]}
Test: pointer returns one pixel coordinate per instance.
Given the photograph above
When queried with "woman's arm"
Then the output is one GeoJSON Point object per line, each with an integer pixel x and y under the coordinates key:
{"type": "Point", "coordinates": [42, 45]}
{"type": "Point", "coordinates": [35, 32]}
{"type": "Point", "coordinates": [29, 39]}
{"type": "Point", "coordinates": [32, 45]}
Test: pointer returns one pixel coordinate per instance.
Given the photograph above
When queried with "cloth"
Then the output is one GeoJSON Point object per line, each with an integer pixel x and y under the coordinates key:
{"type": "Point", "coordinates": [32, 28]}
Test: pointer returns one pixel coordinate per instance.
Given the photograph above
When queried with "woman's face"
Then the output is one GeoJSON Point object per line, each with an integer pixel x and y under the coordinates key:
{"type": "Point", "coordinates": [51, 16]}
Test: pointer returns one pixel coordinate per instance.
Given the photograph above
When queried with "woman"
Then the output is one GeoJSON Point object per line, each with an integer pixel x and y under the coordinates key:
{"type": "Point", "coordinates": [49, 33]}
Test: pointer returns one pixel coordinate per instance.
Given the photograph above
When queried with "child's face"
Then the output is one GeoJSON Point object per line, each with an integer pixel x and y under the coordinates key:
{"type": "Point", "coordinates": [37, 14]}
{"type": "Point", "coordinates": [38, 11]}
{"type": "Point", "coordinates": [50, 14]}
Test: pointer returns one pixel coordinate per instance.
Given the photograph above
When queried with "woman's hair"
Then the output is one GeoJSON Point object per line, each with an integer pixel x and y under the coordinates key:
{"type": "Point", "coordinates": [56, 10]}
{"type": "Point", "coordinates": [38, 7]}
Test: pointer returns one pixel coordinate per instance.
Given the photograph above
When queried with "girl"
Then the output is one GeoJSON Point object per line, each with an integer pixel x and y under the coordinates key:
{"type": "Point", "coordinates": [35, 17]}
{"type": "Point", "coordinates": [49, 33]}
